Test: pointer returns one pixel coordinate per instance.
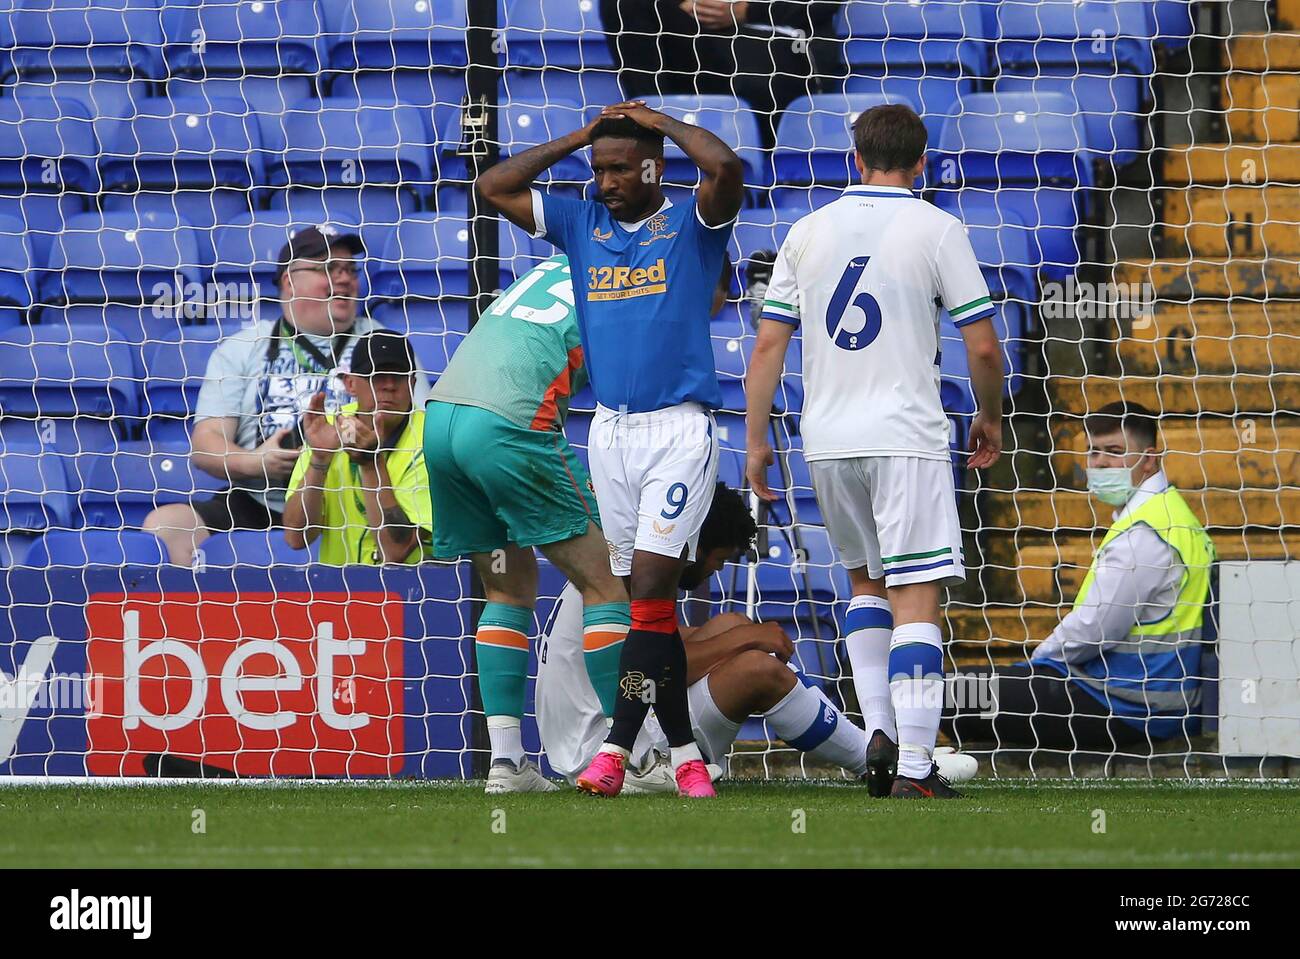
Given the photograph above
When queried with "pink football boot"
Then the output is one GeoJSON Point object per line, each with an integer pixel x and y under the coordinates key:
{"type": "Point", "coordinates": [693, 780]}
{"type": "Point", "coordinates": [604, 777]}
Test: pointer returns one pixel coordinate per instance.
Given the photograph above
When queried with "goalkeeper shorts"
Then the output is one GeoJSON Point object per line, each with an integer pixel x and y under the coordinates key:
{"type": "Point", "coordinates": [494, 483]}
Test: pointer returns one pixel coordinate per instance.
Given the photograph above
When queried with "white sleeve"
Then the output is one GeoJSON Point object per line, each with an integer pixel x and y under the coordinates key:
{"type": "Point", "coordinates": [715, 226]}
{"type": "Point", "coordinates": [1137, 580]}
{"type": "Point", "coordinates": [782, 300]}
{"type": "Point", "coordinates": [962, 289]}
{"type": "Point", "coordinates": [539, 215]}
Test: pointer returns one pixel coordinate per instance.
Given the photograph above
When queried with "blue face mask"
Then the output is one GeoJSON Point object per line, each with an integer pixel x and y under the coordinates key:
{"type": "Point", "coordinates": [1111, 484]}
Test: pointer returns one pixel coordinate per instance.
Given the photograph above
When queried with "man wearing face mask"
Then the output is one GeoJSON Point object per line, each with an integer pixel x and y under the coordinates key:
{"type": "Point", "coordinates": [1122, 669]}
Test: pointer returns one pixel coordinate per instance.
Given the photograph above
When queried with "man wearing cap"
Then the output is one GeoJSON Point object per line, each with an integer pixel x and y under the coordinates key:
{"type": "Point", "coordinates": [360, 483]}
{"type": "Point", "coordinates": [258, 383]}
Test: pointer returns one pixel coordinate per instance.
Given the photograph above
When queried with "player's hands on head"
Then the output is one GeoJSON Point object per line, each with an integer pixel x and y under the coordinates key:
{"type": "Point", "coordinates": [771, 638]}
{"type": "Point", "coordinates": [634, 110]}
{"type": "Point", "coordinates": [757, 462]}
{"type": "Point", "coordinates": [321, 435]}
{"type": "Point", "coordinates": [273, 460]}
{"type": "Point", "coordinates": [985, 441]}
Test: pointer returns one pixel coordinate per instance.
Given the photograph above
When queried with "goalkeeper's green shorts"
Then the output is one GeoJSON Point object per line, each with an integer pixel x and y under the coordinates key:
{"type": "Point", "coordinates": [494, 483]}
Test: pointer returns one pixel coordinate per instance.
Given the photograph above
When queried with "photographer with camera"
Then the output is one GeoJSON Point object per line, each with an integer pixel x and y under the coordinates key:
{"type": "Point", "coordinates": [258, 384]}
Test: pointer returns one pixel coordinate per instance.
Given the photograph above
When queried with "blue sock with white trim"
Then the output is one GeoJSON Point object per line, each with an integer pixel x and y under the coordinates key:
{"type": "Point", "coordinates": [867, 628]}
{"type": "Point", "coordinates": [916, 689]}
{"type": "Point", "coordinates": [810, 723]}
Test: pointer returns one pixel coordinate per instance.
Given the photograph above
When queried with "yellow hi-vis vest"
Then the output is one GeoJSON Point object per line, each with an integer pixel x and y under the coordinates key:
{"type": "Point", "coordinates": [1155, 670]}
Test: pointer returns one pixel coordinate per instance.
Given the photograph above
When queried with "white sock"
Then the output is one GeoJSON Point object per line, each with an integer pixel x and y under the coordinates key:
{"type": "Point", "coordinates": [916, 659]}
{"type": "Point", "coordinates": [808, 721]}
{"type": "Point", "coordinates": [616, 750]}
{"type": "Point", "coordinates": [684, 754]}
{"type": "Point", "coordinates": [507, 738]}
{"type": "Point", "coordinates": [868, 645]}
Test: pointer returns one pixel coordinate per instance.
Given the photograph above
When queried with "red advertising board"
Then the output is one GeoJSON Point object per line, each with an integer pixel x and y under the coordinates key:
{"type": "Point", "coordinates": [265, 684]}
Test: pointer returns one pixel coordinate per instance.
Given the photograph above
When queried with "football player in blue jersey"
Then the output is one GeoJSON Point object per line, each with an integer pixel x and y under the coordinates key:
{"type": "Point", "coordinates": [644, 269]}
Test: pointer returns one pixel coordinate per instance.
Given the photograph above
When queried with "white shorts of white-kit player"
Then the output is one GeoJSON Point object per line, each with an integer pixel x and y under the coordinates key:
{"type": "Point", "coordinates": [654, 475]}
{"type": "Point", "coordinates": [569, 719]}
{"type": "Point", "coordinates": [895, 515]}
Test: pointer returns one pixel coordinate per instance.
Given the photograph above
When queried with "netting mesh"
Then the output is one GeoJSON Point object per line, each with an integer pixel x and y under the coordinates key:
{"type": "Point", "coordinates": [1125, 171]}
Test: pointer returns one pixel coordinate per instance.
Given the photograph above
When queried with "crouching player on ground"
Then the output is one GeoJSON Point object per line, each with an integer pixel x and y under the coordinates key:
{"type": "Point", "coordinates": [735, 668]}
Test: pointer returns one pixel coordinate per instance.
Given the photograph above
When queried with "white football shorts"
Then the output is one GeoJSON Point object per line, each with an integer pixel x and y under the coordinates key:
{"type": "Point", "coordinates": [895, 515]}
{"type": "Point", "coordinates": [654, 475]}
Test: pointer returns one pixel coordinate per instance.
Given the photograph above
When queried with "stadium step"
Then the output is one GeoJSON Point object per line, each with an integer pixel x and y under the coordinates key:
{"type": "Point", "coordinates": [1257, 52]}
{"type": "Point", "coordinates": [1225, 164]}
{"type": "Point", "coordinates": [1245, 453]}
{"type": "Point", "coordinates": [1214, 338]}
{"type": "Point", "coordinates": [1262, 108]}
{"type": "Point", "coordinates": [1243, 221]}
{"type": "Point", "coordinates": [998, 632]}
{"type": "Point", "coordinates": [1072, 511]}
{"type": "Point", "coordinates": [1288, 14]}
{"type": "Point", "coordinates": [1047, 572]}
{"type": "Point", "coordinates": [1212, 278]}
{"type": "Point", "coordinates": [1245, 394]}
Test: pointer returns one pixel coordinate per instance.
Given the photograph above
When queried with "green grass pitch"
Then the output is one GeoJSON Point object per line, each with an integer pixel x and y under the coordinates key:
{"type": "Point", "coordinates": [1002, 823]}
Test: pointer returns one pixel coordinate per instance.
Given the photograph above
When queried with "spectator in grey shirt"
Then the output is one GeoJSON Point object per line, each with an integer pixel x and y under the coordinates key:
{"type": "Point", "coordinates": [257, 384]}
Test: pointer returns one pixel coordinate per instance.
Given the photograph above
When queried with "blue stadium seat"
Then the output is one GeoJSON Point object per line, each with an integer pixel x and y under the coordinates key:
{"type": "Point", "coordinates": [17, 281]}
{"type": "Point", "coordinates": [759, 229]}
{"type": "Point", "coordinates": [128, 483]}
{"type": "Point", "coordinates": [388, 34]}
{"type": "Point", "coordinates": [68, 390]}
{"type": "Point", "coordinates": [66, 371]}
{"type": "Point", "coordinates": [427, 257]}
{"type": "Point", "coordinates": [814, 143]}
{"type": "Point", "coordinates": [367, 162]}
{"type": "Point", "coordinates": [1173, 23]}
{"type": "Point", "coordinates": [730, 119]}
{"type": "Point", "coordinates": [403, 51]}
{"type": "Point", "coordinates": [422, 282]}
{"type": "Point", "coordinates": [173, 373]}
{"type": "Point", "coordinates": [932, 53]}
{"type": "Point", "coordinates": [798, 490]}
{"type": "Point", "coordinates": [522, 126]}
{"type": "Point", "coordinates": [801, 581]}
{"type": "Point", "coordinates": [96, 547]}
{"type": "Point", "coordinates": [34, 497]}
{"type": "Point", "coordinates": [1097, 53]}
{"type": "Point", "coordinates": [48, 171]}
{"type": "Point", "coordinates": [555, 33]}
{"type": "Point", "coordinates": [1028, 152]}
{"type": "Point", "coordinates": [196, 158]}
{"type": "Point", "coordinates": [120, 270]}
{"type": "Point", "coordinates": [252, 548]}
{"type": "Point", "coordinates": [110, 54]}
{"type": "Point", "coordinates": [556, 49]}
{"type": "Point", "coordinates": [273, 46]}
{"type": "Point", "coordinates": [433, 348]}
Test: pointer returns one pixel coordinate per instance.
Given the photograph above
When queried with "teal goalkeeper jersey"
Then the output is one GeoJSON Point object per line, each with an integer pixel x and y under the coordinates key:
{"type": "Point", "coordinates": [523, 359]}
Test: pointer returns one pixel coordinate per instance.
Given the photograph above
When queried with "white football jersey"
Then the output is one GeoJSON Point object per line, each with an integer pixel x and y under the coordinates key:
{"type": "Point", "coordinates": [865, 277]}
